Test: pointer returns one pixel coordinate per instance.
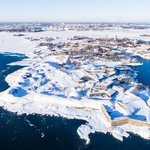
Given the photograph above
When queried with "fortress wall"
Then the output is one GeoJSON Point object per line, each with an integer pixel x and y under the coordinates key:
{"type": "Point", "coordinates": [132, 122]}
{"type": "Point", "coordinates": [138, 123]}
{"type": "Point", "coordinates": [106, 113]}
{"type": "Point", "coordinates": [119, 122]}
{"type": "Point", "coordinates": [124, 121]}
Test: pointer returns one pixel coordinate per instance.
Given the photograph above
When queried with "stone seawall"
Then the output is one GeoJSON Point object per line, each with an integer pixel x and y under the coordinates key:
{"type": "Point", "coordinates": [132, 122]}
{"type": "Point", "coordinates": [124, 121]}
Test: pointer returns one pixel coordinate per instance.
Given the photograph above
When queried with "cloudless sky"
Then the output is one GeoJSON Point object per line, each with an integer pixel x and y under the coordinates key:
{"type": "Point", "coordinates": [75, 10]}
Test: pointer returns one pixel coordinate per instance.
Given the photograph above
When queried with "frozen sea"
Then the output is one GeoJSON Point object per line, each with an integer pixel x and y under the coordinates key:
{"type": "Point", "coordinates": [36, 132]}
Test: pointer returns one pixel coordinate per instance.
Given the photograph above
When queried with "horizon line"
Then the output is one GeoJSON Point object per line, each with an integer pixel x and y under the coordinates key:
{"type": "Point", "coordinates": [95, 22]}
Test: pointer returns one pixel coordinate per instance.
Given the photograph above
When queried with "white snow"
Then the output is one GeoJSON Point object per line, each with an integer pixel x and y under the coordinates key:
{"type": "Point", "coordinates": [10, 43]}
{"type": "Point", "coordinates": [47, 88]}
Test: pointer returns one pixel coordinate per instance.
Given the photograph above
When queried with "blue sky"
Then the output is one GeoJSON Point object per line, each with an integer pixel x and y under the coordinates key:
{"type": "Point", "coordinates": [75, 10]}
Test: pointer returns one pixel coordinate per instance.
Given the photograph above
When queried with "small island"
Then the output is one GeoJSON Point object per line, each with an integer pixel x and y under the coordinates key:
{"type": "Point", "coordinates": [85, 78]}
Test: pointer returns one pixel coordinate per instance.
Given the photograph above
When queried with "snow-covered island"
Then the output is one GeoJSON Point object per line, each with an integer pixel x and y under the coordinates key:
{"type": "Point", "coordinates": [85, 78]}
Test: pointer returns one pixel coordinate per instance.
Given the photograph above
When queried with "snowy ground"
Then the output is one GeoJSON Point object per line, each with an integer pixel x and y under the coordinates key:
{"type": "Point", "coordinates": [45, 88]}
{"type": "Point", "coordinates": [14, 44]}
